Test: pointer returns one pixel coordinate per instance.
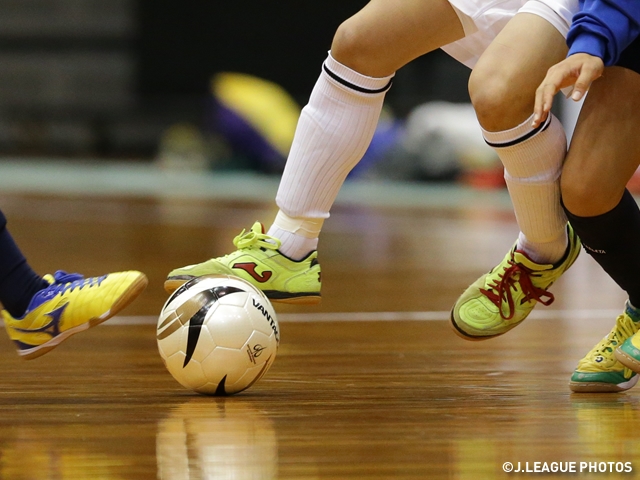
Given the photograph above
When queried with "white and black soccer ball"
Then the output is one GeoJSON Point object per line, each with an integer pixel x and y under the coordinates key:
{"type": "Point", "coordinates": [218, 334]}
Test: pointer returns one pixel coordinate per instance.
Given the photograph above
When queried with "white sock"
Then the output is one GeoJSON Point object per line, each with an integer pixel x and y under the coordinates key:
{"type": "Point", "coordinates": [299, 236]}
{"type": "Point", "coordinates": [533, 160]}
{"type": "Point", "coordinates": [333, 133]}
{"type": "Point", "coordinates": [544, 253]}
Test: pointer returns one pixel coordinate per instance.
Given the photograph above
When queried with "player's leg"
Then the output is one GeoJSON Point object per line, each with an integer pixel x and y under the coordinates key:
{"type": "Point", "coordinates": [18, 282]}
{"type": "Point", "coordinates": [602, 158]}
{"type": "Point", "coordinates": [39, 313]}
{"type": "Point", "coordinates": [333, 133]}
{"type": "Point", "coordinates": [337, 125]}
{"type": "Point", "coordinates": [502, 88]}
{"type": "Point", "coordinates": [604, 154]}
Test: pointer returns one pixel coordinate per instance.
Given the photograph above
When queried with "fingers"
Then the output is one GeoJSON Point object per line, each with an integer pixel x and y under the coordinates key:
{"type": "Point", "coordinates": [556, 77]}
{"type": "Point", "coordinates": [544, 100]}
{"type": "Point", "coordinates": [590, 71]}
{"type": "Point", "coordinates": [579, 71]}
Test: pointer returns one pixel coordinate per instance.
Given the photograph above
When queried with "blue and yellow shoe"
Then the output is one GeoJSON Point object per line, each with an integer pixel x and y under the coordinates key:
{"type": "Point", "coordinates": [259, 262]}
{"type": "Point", "coordinates": [501, 299]}
{"type": "Point", "coordinates": [600, 370]}
{"type": "Point", "coordinates": [69, 305]}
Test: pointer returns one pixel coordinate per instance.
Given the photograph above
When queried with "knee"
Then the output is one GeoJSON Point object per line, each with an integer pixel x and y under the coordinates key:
{"type": "Point", "coordinates": [496, 99]}
{"type": "Point", "coordinates": [574, 195]}
{"type": "Point", "coordinates": [584, 198]}
{"type": "Point", "coordinates": [354, 47]}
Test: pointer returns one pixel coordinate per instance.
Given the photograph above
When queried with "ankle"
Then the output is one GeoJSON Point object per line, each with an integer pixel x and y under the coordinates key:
{"type": "Point", "coordinates": [544, 252]}
{"type": "Point", "coordinates": [632, 312]}
{"type": "Point", "coordinates": [298, 235]}
{"type": "Point", "coordinates": [293, 246]}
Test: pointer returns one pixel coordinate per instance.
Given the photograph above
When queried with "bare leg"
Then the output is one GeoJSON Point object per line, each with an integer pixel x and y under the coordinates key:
{"type": "Point", "coordinates": [503, 83]}
{"type": "Point", "coordinates": [605, 150]}
{"type": "Point", "coordinates": [604, 154]}
{"type": "Point", "coordinates": [387, 34]}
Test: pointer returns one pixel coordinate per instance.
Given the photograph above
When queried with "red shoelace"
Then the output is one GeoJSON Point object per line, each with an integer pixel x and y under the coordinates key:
{"type": "Point", "coordinates": [500, 290]}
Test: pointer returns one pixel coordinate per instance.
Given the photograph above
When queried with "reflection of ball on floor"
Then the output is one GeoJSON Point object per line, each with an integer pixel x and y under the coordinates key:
{"type": "Point", "coordinates": [218, 334]}
{"type": "Point", "coordinates": [217, 439]}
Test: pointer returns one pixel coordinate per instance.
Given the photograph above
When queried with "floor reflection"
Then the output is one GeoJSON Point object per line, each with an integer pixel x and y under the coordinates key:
{"type": "Point", "coordinates": [216, 438]}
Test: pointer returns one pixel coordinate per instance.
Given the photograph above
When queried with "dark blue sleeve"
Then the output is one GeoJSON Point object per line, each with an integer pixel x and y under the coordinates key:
{"type": "Point", "coordinates": [604, 28]}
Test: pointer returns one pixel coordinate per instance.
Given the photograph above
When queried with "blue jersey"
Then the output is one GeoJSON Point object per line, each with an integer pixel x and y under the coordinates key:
{"type": "Point", "coordinates": [604, 28]}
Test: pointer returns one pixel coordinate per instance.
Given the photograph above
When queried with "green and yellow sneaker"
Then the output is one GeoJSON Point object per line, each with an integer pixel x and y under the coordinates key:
{"type": "Point", "coordinates": [69, 305]}
{"type": "Point", "coordinates": [259, 261]}
{"type": "Point", "coordinates": [501, 299]}
{"type": "Point", "coordinates": [600, 370]}
{"type": "Point", "coordinates": [628, 354]}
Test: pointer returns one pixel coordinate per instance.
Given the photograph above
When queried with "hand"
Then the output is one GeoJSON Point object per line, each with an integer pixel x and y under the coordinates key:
{"type": "Point", "coordinates": [579, 70]}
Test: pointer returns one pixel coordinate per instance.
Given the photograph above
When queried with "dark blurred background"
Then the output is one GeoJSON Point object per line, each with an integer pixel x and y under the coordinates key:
{"type": "Point", "coordinates": [107, 78]}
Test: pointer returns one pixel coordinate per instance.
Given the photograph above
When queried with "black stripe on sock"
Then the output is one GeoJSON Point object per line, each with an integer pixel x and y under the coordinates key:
{"type": "Point", "coordinates": [356, 87]}
{"type": "Point", "coordinates": [540, 128]}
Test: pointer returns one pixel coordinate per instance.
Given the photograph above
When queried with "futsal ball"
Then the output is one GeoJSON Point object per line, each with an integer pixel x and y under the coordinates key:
{"type": "Point", "coordinates": [218, 334]}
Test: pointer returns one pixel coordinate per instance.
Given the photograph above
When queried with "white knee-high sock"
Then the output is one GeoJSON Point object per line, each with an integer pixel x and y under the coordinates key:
{"type": "Point", "coordinates": [333, 133]}
{"type": "Point", "coordinates": [533, 160]}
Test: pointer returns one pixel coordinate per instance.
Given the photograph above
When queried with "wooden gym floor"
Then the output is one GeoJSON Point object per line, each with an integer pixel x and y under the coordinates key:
{"type": "Point", "coordinates": [371, 384]}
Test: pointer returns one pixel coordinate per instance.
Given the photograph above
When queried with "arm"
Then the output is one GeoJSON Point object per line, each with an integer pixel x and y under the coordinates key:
{"type": "Point", "coordinates": [604, 28]}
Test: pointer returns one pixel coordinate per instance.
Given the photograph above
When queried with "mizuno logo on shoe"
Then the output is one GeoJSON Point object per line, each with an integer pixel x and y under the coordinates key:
{"type": "Point", "coordinates": [52, 327]}
{"type": "Point", "coordinates": [250, 268]}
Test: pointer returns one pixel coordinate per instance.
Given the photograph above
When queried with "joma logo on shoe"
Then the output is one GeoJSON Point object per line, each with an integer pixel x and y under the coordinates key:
{"type": "Point", "coordinates": [250, 268]}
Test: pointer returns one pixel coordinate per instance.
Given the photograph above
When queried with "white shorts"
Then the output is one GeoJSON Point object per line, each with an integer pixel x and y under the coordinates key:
{"type": "Point", "coordinates": [482, 20]}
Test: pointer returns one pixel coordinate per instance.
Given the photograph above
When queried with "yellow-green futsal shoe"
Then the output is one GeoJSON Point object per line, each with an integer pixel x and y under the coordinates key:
{"type": "Point", "coordinates": [600, 370]}
{"type": "Point", "coordinates": [628, 354]}
{"type": "Point", "coordinates": [69, 305]}
{"type": "Point", "coordinates": [259, 261]}
{"type": "Point", "coordinates": [501, 299]}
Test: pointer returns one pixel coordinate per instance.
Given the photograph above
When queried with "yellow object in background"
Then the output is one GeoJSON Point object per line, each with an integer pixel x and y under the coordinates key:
{"type": "Point", "coordinates": [266, 106]}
